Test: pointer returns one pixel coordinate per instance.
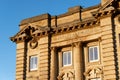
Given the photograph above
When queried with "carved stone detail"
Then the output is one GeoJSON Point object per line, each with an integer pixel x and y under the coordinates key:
{"type": "Point", "coordinates": [94, 72]}
{"type": "Point", "coordinates": [69, 75]}
{"type": "Point", "coordinates": [33, 43]}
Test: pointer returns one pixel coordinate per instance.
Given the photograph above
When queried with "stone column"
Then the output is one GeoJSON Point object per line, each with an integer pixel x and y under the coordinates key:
{"type": "Point", "coordinates": [78, 61]}
{"type": "Point", "coordinates": [53, 73]}
{"type": "Point", "coordinates": [60, 60]}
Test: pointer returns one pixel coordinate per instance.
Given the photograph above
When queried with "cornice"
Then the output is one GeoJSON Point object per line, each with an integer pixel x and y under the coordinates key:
{"type": "Point", "coordinates": [45, 31]}
{"type": "Point", "coordinates": [102, 14]}
{"type": "Point", "coordinates": [76, 26]}
{"type": "Point", "coordinates": [30, 31]}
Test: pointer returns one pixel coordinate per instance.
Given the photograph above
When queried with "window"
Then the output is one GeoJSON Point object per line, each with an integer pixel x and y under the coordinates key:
{"type": "Point", "coordinates": [33, 62]}
{"type": "Point", "coordinates": [67, 58]}
{"type": "Point", "coordinates": [93, 54]}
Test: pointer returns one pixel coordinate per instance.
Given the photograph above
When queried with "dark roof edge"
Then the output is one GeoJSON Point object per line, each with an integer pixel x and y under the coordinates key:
{"type": "Point", "coordinates": [35, 18]}
{"type": "Point", "coordinates": [91, 7]}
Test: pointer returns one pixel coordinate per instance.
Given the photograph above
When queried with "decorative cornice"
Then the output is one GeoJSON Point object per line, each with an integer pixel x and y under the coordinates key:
{"type": "Point", "coordinates": [104, 13]}
{"type": "Point", "coordinates": [76, 26]}
{"type": "Point", "coordinates": [30, 32]}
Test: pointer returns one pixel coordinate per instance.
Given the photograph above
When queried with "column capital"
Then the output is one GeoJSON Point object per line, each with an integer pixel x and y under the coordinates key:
{"type": "Point", "coordinates": [53, 48]}
{"type": "Point", "coordinates": [99, 39]}
{"type": "Point", "coordinates": [76, 44]}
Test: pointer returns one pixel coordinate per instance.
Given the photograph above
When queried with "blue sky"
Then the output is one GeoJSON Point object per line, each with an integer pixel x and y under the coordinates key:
{"type": "Point", "coordinates": [12, 12]}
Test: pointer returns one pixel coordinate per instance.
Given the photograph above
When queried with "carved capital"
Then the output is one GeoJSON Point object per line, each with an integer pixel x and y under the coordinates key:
{"type": "Point", "coordinates": [76, 44]}
{"type": "Point", "coordinates": [93, 71]}
{"type": "Point", "coordinates": [53, 48]}
{"type": "Point", "coordinates": [99, 39]}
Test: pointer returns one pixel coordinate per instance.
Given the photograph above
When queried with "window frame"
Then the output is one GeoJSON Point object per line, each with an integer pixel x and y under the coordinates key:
{"type": "Point", "coordinates": [31, 66]}
{"type": "Point", "coordinates": [94, 60]}
{"type": "Point", "coordinates": [66, 52]}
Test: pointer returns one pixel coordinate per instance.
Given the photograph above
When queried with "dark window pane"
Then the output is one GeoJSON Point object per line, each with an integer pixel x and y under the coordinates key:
{"type": "Point", "coordinates": [69, 57]}
{"type": "Point", "coordinates": [90, 54]}
{"type": "Point", "coordinates": [31, 63]}
{"type": "Point", "coordinates": [35, 62]}
{"type": "Point", "coordinates": [64, 59]}
{"type": "Point", "coordinates": [95, 53]}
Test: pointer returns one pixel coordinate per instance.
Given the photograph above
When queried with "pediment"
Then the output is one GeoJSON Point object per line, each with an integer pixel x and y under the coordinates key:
{"type": "Point", "coordinates": [21, 32]}
{"type": "Point", "coordinates": [106, 5]}
{"type": "Point", "coordinates": [106, 9]}
{"type": "Point", "coordinates": [24, 32]}
{"type": "Point", "coordinates": [30, 31]}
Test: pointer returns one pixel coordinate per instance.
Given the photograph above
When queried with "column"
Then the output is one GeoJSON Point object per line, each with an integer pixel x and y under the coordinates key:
{"type": "Point", "coordinates": [78, 61]}
{"type": "Point", "coordinates": [53, 65]}
{"type": "Point", "coordinates": [60, 60]}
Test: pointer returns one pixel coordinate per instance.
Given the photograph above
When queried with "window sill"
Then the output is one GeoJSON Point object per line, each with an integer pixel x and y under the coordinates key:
{"type": "Point", "coordinates": [93, 63]}
{"type": "Point", "coordinates": [33, 70]}
{"type": "Point", "coordinates": [67, 67]}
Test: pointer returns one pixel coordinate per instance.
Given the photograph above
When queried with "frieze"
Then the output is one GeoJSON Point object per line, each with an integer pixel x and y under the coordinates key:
{"type": "Point", "coordinates": [76, 34]}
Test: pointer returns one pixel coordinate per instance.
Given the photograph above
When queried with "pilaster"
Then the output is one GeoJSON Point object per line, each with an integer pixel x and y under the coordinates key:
{"type": "Point", "coordinates": [108, 52]}
{"type": "Point", "coordinates": [60, 60]}
{"type": "Point", "coordinates": [53, 67]}
{"type": "Point", "coordinates": [21, 61]}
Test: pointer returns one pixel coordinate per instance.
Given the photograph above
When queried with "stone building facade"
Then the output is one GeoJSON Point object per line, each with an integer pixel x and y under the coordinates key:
{"type": "Point", "coordinates": [81, 44]}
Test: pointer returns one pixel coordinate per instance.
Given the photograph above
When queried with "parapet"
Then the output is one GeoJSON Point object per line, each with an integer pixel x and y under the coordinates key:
{"type": "Point", "coordinates": [76, 13]}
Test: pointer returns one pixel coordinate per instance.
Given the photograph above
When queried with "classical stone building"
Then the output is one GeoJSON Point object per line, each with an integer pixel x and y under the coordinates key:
{"type": "Point", "coordinates": [81, 44]}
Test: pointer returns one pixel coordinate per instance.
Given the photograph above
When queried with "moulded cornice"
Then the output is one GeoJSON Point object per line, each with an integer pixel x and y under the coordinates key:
{"type": "Point", "coordinates": [76, 26]}
{"type": "Point", "coordinates": [40, 32]}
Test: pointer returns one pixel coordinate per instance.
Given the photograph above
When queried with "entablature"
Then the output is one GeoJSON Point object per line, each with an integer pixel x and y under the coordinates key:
{"type": "Point", "coordinates": [30, 31]}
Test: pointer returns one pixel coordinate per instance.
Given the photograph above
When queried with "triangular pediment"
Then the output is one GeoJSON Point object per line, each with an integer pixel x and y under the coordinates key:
{"type": "Point", "coordinates": [21, 32]}
{"type": "Point", "coordinates": [30, 31]}
{"type": "Point", "coordinates": [106, 5]}
{"type": "Point", "coordinates": [25, 30]}
{"type": "Point", "coordinates": [106, 9]}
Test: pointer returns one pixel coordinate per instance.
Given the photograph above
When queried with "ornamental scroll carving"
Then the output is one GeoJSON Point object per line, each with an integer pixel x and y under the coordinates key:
{"type": "Point", "coordinates": [95, 72]}
{"type": "Point", "coordinates": [69, 75]}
